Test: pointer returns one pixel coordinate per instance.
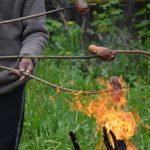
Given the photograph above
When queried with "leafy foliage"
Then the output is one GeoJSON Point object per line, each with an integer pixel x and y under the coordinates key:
{"type": "Point", "coordinates": [106, 21]}
{"type": "Point", "coordinates": [143, 25]}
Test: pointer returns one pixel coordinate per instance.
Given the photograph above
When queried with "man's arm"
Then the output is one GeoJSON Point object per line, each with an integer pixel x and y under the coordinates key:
{"type": "Point", "coordinates": [35, 35]}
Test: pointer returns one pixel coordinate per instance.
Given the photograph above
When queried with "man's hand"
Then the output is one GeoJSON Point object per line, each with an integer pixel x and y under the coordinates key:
{"type": "Point", "coordinates": [26, 65]}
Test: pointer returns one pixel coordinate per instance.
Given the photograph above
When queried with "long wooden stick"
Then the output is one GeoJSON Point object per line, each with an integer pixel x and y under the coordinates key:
{"type": "Point", "coordinates": [76, 57]}
{"type": "Point", "coordinates": [53, 85]}
{"type": "Point", "coordinates": [133, 52]}
{"type": "Point", "coordinates": [49, 57]}
{"type": "Point", "coordinates": [40, 14]}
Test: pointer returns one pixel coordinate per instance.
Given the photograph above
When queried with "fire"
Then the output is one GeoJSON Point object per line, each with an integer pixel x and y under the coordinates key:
{"type": "Point", "coordinates": [131, 147]}
{"type": "Point", "coordinates": [52, 98]}
{"type": "Point", "coordinates": [71, 82]}
{"type": "Point", "coordinates": [58, 90]}
{"type": "Point", "coordinates": [113, 115]}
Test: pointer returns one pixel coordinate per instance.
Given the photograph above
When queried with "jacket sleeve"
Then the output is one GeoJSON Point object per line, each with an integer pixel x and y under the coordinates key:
{"type": "Point", "coordinates": [35, 34]}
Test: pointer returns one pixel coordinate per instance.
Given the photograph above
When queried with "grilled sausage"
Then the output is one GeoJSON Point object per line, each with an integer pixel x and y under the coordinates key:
{"type": "Point", "coordinates": [82, 7]}
{"type": "Point", "coordinates": [106, 54]}
{"type": "Point", "coordinates": [116, 88]}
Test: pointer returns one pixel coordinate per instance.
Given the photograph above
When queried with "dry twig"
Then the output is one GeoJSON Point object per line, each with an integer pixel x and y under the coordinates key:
{"type": "Point", "coordinates": [61, 14]}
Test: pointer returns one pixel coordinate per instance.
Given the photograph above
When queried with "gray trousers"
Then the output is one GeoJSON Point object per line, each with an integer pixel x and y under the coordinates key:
{"type": "Point", "coordinates": [11, 118]}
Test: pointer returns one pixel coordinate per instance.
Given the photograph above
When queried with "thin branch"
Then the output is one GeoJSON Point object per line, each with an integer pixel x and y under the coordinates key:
{"type": "Point", "coordinates": [133, 52]}
{"type": "Point", "coordinates": [74, 141]}
{"type": "Point", "coordinates": [53, 85]}
{"type": "Point", "coordinates": [61, 14]}
{"type": "Point", "coordinates": [49, 57]}
{"type": "Point", "coordinates": [76, 57]}
{"type": "Point", "coordinates": [39, 15]}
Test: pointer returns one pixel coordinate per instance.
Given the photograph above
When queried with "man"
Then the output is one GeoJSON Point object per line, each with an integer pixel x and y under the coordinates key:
{"type": "Point", "coordinates": [27, 37]}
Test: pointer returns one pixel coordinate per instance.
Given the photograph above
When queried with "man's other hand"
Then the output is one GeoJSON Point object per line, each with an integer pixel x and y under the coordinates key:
{"type": "Point", "coordinates": [26, 65]}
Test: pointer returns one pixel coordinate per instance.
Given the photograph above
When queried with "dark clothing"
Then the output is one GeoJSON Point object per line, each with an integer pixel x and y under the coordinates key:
{"type": "Point", "coordinates": [11, 118]}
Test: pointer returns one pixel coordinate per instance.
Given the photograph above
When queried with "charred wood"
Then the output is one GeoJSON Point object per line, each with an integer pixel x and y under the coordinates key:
{"type": "Point", "coordinates": [119, 144]}
{"type": "Point", "coordinates": [74, 141]}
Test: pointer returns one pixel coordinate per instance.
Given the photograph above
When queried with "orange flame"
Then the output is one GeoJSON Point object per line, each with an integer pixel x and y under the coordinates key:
{"type": "Point", "coordinates": [110, 114]}
{"type": "Point", "coordinates": [132, 147]}
{"type": "Point", "coordinates": [52, 98]}
{"type": "Point", "coordinates": [71, 82]}
{"type": "Point", "coordinates": [58, 90]}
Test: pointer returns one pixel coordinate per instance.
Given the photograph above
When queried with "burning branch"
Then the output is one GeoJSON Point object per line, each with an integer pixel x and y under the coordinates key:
{"type": "Point", "coordinates": [53, 85]}
{"type": "Point", "coordinates": [106, 139]}
{"type": "Point", "coordinates": [118, 144]}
